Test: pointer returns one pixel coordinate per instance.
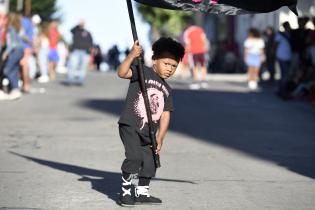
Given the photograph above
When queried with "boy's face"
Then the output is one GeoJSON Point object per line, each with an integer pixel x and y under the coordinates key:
{"type": "Point", "coordinates": [165, 66]}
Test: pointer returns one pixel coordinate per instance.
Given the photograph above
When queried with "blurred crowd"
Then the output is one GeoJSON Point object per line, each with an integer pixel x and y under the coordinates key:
{"type": "Point", "coordinates": [34, 50]}
{"type": "Point", "coordinates": [292, 51]}
{"type": "Point", "coordinates": [295, 53]}
{"type": "Point", "coordinates": [28, 50]}
{"type": "Point", "coordinates": [286, 56]}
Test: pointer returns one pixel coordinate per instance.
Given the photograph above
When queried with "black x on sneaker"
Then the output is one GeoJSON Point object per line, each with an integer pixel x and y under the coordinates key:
{"type": "Point", "coordinates": [126, 197]}
{"type": "Point", "coordinates": [142, 196]}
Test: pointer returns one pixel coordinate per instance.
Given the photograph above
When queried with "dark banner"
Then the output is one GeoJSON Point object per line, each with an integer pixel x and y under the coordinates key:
{"type": "Point", "coordinates": [226, 7]}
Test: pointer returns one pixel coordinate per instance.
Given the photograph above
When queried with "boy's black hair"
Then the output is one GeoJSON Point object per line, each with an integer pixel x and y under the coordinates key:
{"type": "Point", "coordinates": [168, 45]}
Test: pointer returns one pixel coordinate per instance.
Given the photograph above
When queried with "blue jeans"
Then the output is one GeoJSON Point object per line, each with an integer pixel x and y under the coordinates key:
{"type": "Point", "coordinates": [12, 66]}
{"type": "Point", "coordinates": [78, 61]}
{"type": "Point", "coordinates": [43, 61]}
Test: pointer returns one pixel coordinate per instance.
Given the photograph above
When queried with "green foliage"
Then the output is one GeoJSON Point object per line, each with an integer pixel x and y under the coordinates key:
{"type": "Point", "coordinates": [169, 22]}
{"type": "Point", "coordinates": [45, 8]}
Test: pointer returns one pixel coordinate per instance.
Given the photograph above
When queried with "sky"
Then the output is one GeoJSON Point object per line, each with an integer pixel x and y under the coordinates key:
{"type": "Point", "coordinates": [107, 20]}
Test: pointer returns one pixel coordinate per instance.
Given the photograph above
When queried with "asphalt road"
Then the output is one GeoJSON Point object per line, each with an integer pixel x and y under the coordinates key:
{"type": "Point", "coordinates": [227, 148]}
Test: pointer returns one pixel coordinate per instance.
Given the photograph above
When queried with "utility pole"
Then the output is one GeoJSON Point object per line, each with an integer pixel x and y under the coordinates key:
{"type": "Point", "coordinates": [27, 7]}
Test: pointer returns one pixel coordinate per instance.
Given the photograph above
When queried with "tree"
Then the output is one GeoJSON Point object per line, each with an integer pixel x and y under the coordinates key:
{"type": "Point", "coordinates": [163, 21]}
{"type": "Point", "coordinates": [45, 9]}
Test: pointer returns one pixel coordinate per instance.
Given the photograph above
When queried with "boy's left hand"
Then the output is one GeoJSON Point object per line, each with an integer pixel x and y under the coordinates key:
{"type": "Point", "coordinates": [136, 50]}
{"type": "Point", "coordinates": [159, 143]}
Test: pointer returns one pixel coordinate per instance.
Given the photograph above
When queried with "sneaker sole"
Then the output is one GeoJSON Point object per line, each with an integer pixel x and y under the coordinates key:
{"type": "Point", "coordinates": [124, 205]}
{"type": "Point", "coordinates": [154, 204]}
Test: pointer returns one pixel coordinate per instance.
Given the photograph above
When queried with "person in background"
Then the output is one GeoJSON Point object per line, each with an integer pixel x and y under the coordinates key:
{"type": "Point", "coordinates": [42, 52]}
{"type": "Point", "coordinates": [185, 66]}
{"type": "Point", "coordinates": [254, 56]}
{"type": "Point", "coordinates": [270, 51]}
{"type": "Point", "coordinates": [36, 20]}
{"type": "Point", "coordinates": [63, 53]}
{"type": "Point", "coordinates": [283, 54]}
{"type": "Point", "coordinates": [97, 57]}
{"type": "Point", "coordinates": [113, 57]}
{"type": "Point", "coordinates": [80, 52]}
{"type": "Point", "coordinates": [53, 56]}
{"type": "Point", "coordinates": [28, 58]}
{"type": "Point", "coordinates": [298, 38]}
{"type": "Point", "coordinates": [13, 54]}
{"type": "Point", "coordinates": [311, 42]}
{"type": "Point", "coordinates": [197, 45]}
{"type": "Point", "coordinates": [3, 33]}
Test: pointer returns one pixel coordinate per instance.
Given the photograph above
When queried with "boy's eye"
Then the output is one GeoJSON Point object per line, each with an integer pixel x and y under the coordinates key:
{"type": "Point", "coordinates": [173, 66]}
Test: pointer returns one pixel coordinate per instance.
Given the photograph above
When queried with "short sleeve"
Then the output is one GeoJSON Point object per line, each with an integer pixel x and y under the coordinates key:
{"type": "Point", "coordinates": [247, 43]}
{"type": "Point", "coordinates": [169, 104]}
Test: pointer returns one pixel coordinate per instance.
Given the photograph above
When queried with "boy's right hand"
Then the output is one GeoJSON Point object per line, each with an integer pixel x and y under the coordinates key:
{"type": "Point", "coordinates": [136, 50]}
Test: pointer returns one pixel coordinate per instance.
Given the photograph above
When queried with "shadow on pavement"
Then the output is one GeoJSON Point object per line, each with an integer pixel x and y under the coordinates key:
{"type": "Point", "coordinates": [105, 182]}
{"type": "Point", "coordinates": [256, 124]}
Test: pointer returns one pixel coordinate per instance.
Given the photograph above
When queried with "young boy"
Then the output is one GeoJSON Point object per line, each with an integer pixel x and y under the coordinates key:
{"type": "Point", "coordinates": [133, 122]}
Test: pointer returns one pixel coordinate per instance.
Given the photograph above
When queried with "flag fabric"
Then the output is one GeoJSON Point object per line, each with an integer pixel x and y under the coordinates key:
{"type": "Point", "coordinates": [225, 7]}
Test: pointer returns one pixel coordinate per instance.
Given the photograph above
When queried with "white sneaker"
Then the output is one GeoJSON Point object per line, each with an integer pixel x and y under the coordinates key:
{"type": "Point", "coordinates": [5, 82]}
{"type": "Point", "coordinates": [252, 85]}
{"type": "Point", "coordinates": [194, 86]}
{"type": "Point", "coordinates": [3, 96]}
{"type": "Point", "coordinates": [15, 94]}
{"type": "Point", "coordinates": [43, 79]}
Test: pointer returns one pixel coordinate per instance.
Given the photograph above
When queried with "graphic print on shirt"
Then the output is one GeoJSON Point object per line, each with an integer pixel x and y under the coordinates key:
{"type": "Point", "coordinates": [156, 99]}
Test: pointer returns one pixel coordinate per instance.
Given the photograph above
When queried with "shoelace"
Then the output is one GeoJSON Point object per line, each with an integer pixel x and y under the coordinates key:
{"type": "Point", "coordinates": [126, 183]}
{"type": "Point", "coordinates": [142, 190]}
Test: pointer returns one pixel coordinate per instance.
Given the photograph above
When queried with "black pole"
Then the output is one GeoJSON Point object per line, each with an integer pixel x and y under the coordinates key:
{"type": "Point", "coordinates": [143, 87]}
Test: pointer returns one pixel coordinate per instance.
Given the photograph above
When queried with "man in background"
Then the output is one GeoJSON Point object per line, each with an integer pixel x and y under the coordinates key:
{"type": "Point", "coordinates": [80, 52]}
{"type": "Point", "coordinates": [197, 47]}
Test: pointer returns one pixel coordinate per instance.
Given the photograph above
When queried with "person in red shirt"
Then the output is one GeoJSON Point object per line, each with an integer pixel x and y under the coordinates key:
{"type": "Point", "coordinates": [53, 56]}
{"type": "Point", "coordinates": [197, 46]}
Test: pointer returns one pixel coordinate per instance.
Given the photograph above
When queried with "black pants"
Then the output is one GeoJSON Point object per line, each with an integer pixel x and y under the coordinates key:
{"type": "Point", "coordinates": [139, 159]}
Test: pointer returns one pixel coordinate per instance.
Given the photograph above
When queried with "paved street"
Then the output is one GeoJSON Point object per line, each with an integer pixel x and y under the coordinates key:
{"type": "Point", "coordinates": [226, 149]}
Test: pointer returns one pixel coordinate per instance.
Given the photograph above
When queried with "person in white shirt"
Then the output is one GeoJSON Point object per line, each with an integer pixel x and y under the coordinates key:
{"type": "Point", "coordinates": [254, 56]}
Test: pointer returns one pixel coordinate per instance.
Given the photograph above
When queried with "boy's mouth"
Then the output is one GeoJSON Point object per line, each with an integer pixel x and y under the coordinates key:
{"type": "Point", "coordinates": [165, 76]}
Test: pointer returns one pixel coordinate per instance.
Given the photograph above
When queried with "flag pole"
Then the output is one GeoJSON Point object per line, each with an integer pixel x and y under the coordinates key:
{"type": "Point", "coordinates": [143, 87]}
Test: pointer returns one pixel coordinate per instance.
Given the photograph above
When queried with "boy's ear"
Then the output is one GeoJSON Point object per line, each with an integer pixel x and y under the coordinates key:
{"type": "Point", "coordinates": [154, 60]}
